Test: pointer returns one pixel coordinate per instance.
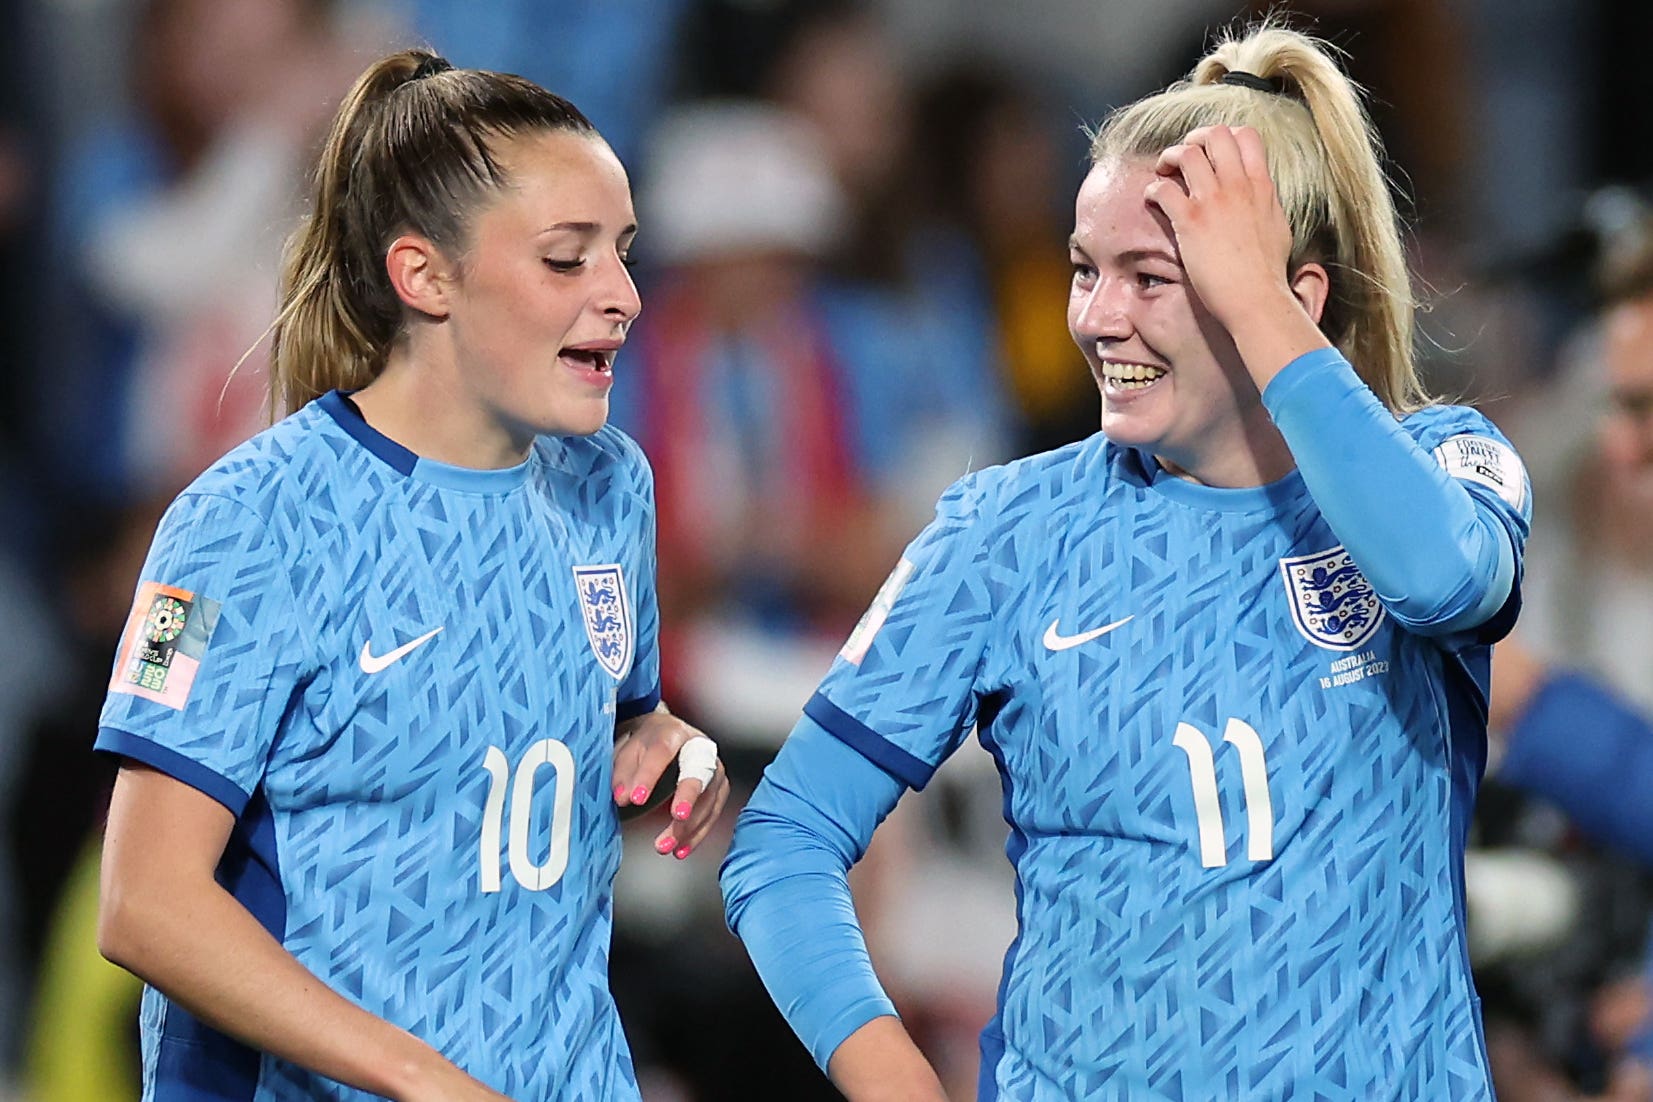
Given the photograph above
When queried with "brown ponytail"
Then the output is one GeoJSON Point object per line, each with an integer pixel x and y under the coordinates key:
{"type": "Point", "coordinates": [411, 149]}
{"type": "Point", "coordinates": [1326, 160]}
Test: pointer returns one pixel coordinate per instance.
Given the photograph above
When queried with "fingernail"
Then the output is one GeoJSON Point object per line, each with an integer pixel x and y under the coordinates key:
{"type": "Point", "coordinates": [681, 810]}
{"type": "Point", "coordinates": [639, 794]}
{"type": "Point", "coordinates": [682, 852]}
{"type": "Point", "coordinates": [619, 792]}
{"type": "Point", "coordinates": [664, 845]}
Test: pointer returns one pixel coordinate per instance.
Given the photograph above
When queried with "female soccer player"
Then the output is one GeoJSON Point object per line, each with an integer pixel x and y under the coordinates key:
{"type": "Point", "coordinates": [1230, 654]}
{"type": "Point", "coordinates": [369, 694]}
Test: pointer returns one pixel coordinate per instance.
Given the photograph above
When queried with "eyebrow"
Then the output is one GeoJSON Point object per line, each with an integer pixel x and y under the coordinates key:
{"type": "Point", "coordinates": [585, 227]}
{"type": "Point", "coordinates": [1129, 255]}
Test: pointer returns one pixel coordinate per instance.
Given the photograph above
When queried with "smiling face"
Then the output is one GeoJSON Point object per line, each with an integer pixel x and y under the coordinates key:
{"type": "Point", "coordinates": [542, 299]}
{"type": "Point", "coordinates": [1170, 378]}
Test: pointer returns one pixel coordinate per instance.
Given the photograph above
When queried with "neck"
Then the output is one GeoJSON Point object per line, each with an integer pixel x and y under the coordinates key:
{"type": "Point", "coordinates": [1258, 457]}
{"type": "Point", "coordinates": [419, 402]}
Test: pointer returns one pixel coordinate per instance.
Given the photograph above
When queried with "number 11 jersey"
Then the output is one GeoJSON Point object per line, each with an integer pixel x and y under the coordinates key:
{"type": "Point", "coordinates": [1238, 790]}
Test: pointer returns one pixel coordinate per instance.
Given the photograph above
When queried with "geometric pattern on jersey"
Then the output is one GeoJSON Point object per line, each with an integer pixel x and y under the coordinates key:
{"type": "Point", "coordinates": [433, 836]}
{"type": "Point", "coordinates": [1237, 850]}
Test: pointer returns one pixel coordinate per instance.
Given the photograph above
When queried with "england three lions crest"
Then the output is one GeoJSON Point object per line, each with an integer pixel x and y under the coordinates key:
{"type": "Point", "coordinates": [1332, 603]}
{"type": "Point", "coordinates": [607, 615]}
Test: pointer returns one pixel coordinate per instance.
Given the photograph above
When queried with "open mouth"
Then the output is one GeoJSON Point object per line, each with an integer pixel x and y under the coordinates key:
{"type": "Point", "coordinates": [1126, 376]}
{"type": "Point", "coordinates": [593, 358]}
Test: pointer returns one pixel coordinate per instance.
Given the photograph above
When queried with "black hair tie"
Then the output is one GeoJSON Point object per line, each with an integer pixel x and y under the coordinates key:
{"type": "Point", "coordinates": [1252, 81]}
{"type": "Point", "coordinates": [429, 66]}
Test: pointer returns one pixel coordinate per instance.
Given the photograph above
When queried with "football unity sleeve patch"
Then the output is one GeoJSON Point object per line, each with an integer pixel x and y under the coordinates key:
{"type": "Point", "coordinates": [855, 647]}
{"type": "Point", "coordinates": [163, 644]}
{"type": "Point", "coordinates": [1486, 461]}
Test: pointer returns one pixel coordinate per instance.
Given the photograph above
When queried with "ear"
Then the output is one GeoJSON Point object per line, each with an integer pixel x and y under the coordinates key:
{"type": "Point", "coordinates": [420, 274]}
{"type": "Point", "coordinates": [1311, 285]}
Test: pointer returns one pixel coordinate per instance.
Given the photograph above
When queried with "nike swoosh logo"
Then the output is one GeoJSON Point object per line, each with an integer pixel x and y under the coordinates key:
{"type": "Point", "coordinates": [1056, 641]}
{"type": "Point", "coordinates": [372, 663]}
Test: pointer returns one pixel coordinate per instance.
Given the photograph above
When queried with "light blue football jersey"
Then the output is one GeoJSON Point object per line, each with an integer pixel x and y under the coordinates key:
{"type": "Point", "coordinates": [404, 677]}
{"type": "Point", "coordinates": [1238, 791]}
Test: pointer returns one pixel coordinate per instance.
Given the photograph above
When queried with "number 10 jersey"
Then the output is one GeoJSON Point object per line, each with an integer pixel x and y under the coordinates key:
{"type": "Point", "coordinates": [403, 678]}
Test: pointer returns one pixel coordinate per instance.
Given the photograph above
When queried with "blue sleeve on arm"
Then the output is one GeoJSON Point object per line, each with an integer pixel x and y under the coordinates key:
{"type": "Point", "coordinates": [1440, 558]}
{"type": "Point", "coordinates": [1589, 753]}
{"type": "Point", "coordinates": [785, 889]}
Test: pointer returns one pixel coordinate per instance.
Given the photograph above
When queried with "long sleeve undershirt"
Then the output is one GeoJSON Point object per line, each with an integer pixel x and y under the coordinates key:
{"type": "Point", "coordinates": [785, 886]}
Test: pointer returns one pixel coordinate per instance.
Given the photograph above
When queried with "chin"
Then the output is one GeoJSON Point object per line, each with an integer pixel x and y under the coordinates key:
{"type": "Point", "coordinates": [1130, 431]}
{"type": "Point", "coordinates": [583, 422]}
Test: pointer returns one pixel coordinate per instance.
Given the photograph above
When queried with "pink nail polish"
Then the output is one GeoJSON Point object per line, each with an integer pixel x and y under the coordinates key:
{"type": "Point", "coordinates": [619, 792]}
{"type": "Point", "coordinates": [681, 810]}
{"type": "Point", "coordinates": [639, 794]}
{"type": "Point", "coordinates": [665, 845]}
{"type": "Point", "coordinates": [682, 852]}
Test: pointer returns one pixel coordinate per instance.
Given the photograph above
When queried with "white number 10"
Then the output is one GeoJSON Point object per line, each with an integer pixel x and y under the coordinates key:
{"type": "Point", "coordinates": [1202, 771]}
{"type": "Point", "coordinates": [523, 869]}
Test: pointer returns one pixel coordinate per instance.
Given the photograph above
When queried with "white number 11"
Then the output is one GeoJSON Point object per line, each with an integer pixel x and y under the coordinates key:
{"type": "Point", "coordinates": [1202, 772]}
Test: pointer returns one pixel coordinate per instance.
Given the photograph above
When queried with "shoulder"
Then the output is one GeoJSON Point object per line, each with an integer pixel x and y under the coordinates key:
{"type": "Point", "coordinates": [1044, 482]}
{"type": "Point", "coordinates": [299, 477]}
{"type": "Point", "coordinates": [1470, 447]}
{"type": "Point", "coordinates": [1433, 424]}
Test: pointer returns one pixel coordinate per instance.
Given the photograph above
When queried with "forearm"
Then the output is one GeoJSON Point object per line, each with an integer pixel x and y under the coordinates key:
{"type": "Point", "coordinates": [786, 890]}
{"type": "Point", "coordinates": [1438, 560]}
{"type": "Point", "coordinates": [880, 1063]}
{"type": "Point", "coordinates": [164, 917]}
{"type": "Point", "coordinates": [205, 951]}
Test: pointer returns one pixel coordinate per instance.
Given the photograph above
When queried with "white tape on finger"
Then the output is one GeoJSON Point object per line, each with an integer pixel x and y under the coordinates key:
{"type": "Point", "coordinates": [697, 760]}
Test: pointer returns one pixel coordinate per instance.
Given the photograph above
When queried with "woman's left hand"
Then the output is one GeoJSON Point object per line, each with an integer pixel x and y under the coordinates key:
{"type": "Point", "coordinates": [644, 748]}
{"type": "Point", "coordinates": [1235, 245]}
{"type": "Point", "coordinates": [1231, 232]}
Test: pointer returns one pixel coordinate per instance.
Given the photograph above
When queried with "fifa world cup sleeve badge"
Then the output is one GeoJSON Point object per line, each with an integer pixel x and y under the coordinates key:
{"type": "Point", "coordinates": [163, 644]}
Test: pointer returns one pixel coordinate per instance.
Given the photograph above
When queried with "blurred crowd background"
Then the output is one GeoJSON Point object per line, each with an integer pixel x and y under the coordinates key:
{"type": "Point", "coordinates": [854, 272]}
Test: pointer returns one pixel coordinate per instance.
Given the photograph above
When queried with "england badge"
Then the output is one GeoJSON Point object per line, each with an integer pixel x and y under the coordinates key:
{"type": "Point", "coordinates": [1332, 603]}
{"type": "Point", "coordinates": [607, 614]}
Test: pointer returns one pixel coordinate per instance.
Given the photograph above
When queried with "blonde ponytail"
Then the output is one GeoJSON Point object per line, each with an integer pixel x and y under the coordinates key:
{"type": "Point", "coordinates": [1326, 160]}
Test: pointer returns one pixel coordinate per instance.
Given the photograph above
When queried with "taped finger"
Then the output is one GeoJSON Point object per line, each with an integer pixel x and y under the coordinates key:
{"type": "Point", "coordinates": [697, 761]}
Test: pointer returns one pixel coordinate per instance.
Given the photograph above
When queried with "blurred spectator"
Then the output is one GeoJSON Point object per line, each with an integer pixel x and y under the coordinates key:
{"type": "Point", "coordinates": [1573, 689]}
{"type": "Point", "coordinates": [795, 421]}
{"type": "Point", "coordinates": [172, 221]}
{"type": "Point", "coordinates": [996, 182]}
{"type": "Point", "coordinates": [613, 58]}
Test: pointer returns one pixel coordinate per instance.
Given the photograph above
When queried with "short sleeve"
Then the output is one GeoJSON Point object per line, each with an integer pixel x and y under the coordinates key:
{"type": "Point", "coordinates": [640, 691]}
{"type": "Point", "coordinates": [905, 690]}
{"type": "Point", "coordinates": [212, 652]}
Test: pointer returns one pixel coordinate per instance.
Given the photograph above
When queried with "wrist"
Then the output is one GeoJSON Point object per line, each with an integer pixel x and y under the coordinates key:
{"type": "Point", "coordinates": [880, 1063]}
{"type": "Point", "coordinates": [408, 1068]}
{"type": "Point", "coordinates": [1271, 334]}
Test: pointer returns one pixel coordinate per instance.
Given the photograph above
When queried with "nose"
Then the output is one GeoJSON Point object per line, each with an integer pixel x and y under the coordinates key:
{"type": "Point", "coordinates": [619, 298]}
{"type": "Point", "coordinates": [1103, 313]}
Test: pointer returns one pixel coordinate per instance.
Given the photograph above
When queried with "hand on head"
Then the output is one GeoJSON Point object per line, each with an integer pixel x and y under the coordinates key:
{"type": "Point", "coordinates": [1232, 235]}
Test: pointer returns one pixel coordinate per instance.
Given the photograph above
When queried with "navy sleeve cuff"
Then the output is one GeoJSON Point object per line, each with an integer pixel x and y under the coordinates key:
{"type": "Point", "coordinates": [643, 705]}
{"type": "Point", "coordinates": [112, 740]}
{"type": "Point", "coordinates": [911, 771]}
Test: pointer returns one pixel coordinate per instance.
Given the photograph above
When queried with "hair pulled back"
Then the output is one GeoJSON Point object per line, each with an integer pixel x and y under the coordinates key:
{"type": "Point", "coordinates": [412, 149]}
{"type": "Point", "coordinates": [1326, 160]}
